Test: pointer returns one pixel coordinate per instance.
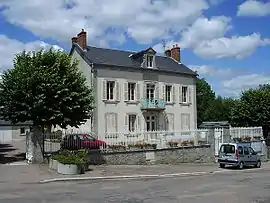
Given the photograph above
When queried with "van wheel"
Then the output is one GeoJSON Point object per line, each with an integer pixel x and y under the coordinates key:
{"type": "Point", "coordinates": [222, 165]}
{"type": "Point", "coordinates": [241, 165]}
{"type": "Point", "coordinates": [258, 165]}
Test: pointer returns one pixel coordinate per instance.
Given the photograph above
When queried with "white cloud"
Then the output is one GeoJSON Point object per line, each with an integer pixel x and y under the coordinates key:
{"type": "Point", "coordinates": [237, 84]}
{"type": "Point", "coordinates": [228, 81]}
{"type": "Point", "coordinates": [233, 47]}
{"type": "Point", "coordinates": [141, 20]}
{"type": "Point", "coordinates": [254, 8]}
{"type": "Point", "coordinates": [204, 29]}
{"type": "Point", "coordinates": [9, 47]}
{"type": "Point", "coordinates": [206, 38]}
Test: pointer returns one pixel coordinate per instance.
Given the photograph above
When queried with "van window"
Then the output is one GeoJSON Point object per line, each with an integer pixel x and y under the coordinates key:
{"type": "Point", "coordinates": [246, 151]}
{"type": "Point", "coordinates": [227, 149]}
{"type": "Point", "coordinates": [240, 150]}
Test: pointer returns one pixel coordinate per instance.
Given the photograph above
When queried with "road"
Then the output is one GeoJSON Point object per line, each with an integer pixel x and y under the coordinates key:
{"type": "Point", "coordinates": [232, 187]}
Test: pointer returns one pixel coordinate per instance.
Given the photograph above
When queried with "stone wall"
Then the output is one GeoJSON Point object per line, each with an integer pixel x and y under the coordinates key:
{"type": "Point", "coordinates": [187, 154]}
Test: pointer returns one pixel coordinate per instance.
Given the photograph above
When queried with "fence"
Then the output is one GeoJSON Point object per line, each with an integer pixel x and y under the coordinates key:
{"type": "Point", "coordinates": [141, 140]}
{"type": "Point", "coordinates": [127, 141]}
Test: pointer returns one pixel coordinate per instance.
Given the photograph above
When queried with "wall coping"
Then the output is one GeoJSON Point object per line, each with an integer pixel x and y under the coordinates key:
{"type": "Point", "coordinates": [153, 150]}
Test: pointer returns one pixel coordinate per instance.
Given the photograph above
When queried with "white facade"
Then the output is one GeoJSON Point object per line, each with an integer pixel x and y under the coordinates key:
{"type": "Point", "coordinates": [119, 96]}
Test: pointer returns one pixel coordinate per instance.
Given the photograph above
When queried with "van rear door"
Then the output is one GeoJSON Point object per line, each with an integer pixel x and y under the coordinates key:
{"type": "Point", "coordinates": [227, 151]}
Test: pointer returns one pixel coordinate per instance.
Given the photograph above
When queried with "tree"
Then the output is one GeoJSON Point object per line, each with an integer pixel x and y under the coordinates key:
{"type": "Point", "coordinates": [253, 109]}
{"type": "Point", "coordinates": [220, 109]}
{"type": "Point", "coordinates": [45, 87]}
{"type": "Point", "coordinates": [205, 98]}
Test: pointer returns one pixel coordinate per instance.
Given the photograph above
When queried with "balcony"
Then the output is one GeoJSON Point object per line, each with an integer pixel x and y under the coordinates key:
{"type": "Point", "coordinates": [156, 104]}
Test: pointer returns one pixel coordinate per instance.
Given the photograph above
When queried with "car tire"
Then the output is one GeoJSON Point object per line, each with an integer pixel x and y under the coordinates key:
{"type": "Point", "coordinates": [222, 165]}
{"type": "Point", "coordinates": [241, 165]}
{"type": "Point", "coordinates": [258, 165]}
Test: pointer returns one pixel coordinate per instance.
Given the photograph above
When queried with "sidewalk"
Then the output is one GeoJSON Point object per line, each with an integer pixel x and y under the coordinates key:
{"type": "Point", "coordinates": [39, 173]}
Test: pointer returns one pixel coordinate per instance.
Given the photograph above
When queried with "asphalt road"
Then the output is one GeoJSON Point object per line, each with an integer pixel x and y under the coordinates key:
{"type": "Point", "coordinates": [233, 187]}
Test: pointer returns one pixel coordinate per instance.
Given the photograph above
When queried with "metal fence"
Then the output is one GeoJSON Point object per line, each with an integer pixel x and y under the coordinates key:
{"type": "Point", "coordinates": [128, 141]}
{"type": "Point", "coordinates": [143, 140]}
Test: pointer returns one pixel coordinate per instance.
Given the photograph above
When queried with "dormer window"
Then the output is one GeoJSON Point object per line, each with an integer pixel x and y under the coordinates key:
{"type": "Point", "coordinates": [149, 61]}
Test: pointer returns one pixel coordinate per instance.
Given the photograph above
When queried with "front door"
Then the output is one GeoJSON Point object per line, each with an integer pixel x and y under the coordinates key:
{"type": "Point", "coordinates": [151, 125]}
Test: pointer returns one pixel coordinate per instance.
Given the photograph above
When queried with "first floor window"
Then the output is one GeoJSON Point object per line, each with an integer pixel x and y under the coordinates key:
{"type": "Point", "coordinates": [185, 121]}
{"type": "Point", "coordinates": [131, 123]}
{"type": "Point", "coordinates": [110, 90]}
{"type": "Point", "coordinates": [184, 94]}
{"type": "Point", "coordinates": [131, 91]}
{"type": "Point", "coordinates": [168, 93]}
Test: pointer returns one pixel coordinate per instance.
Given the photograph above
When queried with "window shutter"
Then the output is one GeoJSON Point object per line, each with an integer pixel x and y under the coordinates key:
{"type": "Point", "coordinates": [126, 91]}
{"type": "Point", "coordinates": [180, 94]}
{"type": "Point", "coordinates": [173, 94]}
{"type": "Point", "coordinates": [144, 90]}
{"type": "Point", "coordinates": [189, 95]}
{"type": "Point", "coordinates": [106, 122]}
{"type": "Point", "coordinates": [117, 91]}
{"type": "Point", "coordinates": [164, 92]}
{"type": "Point", "coordinates": [138, 92]}
{"type": "Point", "coordinates": [157, 91]}
{"type": "Point", "coordinates": [126, 122]}
{"type": "Point", "coordinates": [138, 123]}
{"type": "Point", "coordinates": [104, 89]}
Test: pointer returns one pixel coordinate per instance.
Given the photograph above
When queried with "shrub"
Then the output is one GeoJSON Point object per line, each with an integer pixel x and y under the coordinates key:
{"type": "Point", "coordinates": [72, 157]}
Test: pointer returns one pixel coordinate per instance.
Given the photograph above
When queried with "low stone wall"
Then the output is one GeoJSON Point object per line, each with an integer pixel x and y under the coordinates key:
{"type": "Point", "coordinates": [186, 154]}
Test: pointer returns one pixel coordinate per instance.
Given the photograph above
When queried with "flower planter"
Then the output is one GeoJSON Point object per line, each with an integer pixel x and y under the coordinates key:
{"type": "Point", "coordinates": [53, 164]}
{"type": "Point", "coordinates": [68, 169]}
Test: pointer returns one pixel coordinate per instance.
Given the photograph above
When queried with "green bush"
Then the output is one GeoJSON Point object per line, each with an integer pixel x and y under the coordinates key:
{"type": "Point", "coordinates": [72, 157]}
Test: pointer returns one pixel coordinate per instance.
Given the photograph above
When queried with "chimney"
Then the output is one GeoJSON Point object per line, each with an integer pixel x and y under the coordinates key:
{"type": "Point", "coordinates": [175, 53]}
{"type": "Point", "coordinates": [167, 53]}
{"type": "Point", "coordinates": [74, 40]}
{"type": "Point", "coordinates": [82, 39]}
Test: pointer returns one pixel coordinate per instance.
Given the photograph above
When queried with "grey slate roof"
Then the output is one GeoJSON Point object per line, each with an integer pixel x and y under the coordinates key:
{"type": "Point", "coordinates": [8, 123]}
{"type": "Point", "coordinates": [113, 57]}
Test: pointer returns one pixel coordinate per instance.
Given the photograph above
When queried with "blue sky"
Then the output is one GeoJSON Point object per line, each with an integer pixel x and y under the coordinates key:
{"type": "Point", "coordinates": [226, 42]}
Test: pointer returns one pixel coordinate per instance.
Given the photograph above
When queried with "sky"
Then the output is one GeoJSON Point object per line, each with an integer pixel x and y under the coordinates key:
{"type": "Point", "coordinates": [226, 41]}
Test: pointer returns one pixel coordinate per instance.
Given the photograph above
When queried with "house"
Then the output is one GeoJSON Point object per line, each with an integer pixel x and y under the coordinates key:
{"type": "Point", "coordinates": [10, 132]}
{"type": "Point", "coordinates": [137, 91]}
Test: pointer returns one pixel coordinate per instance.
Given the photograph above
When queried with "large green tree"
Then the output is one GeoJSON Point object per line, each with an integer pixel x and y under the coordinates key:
{"type": "Point", "coordinates": [47, 88]}
{"type": "Point", "coordinates": [253, 109]}
{"type": "Point", "coordinates": [205, 98]}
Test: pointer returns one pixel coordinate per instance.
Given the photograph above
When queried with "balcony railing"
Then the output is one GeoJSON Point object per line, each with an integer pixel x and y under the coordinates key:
{"type": "Point", "coordinates": [155, 104]}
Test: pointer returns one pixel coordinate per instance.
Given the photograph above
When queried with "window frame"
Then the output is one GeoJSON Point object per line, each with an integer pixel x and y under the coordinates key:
{"type": "Point", "coordinates": [110, 90]}
{"type": "Point", "coordinates": [132, 123]}
{"type": "Point", "coordinates": [131, 91]}
{"type": "Point", "coordinates": [149, 61]}
{"type": "Point", "coordinates": [170, 93]}
{"type": "Point", "coordinates": [184, 95]}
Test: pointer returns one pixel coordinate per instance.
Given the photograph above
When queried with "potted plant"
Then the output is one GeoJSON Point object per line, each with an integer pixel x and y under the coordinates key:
{"type": "Point", "coordinates": [71, 162]}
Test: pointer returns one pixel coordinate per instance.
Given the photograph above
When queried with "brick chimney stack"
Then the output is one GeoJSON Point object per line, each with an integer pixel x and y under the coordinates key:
{"type": "Point", "coordinates": [82, 39]}
{"type": "Point", "coordinates": [74, 40]}
{"type": "Point", "coordinates": [175, 53]}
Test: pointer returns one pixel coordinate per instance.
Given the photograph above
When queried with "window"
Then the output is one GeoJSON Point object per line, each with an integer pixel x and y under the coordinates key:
{"type": "Point", "coordinates": [150, 92]}
{"type": "Point", "coordinates": [240, 150]}
{"type": "Point", "coordinates": [184, 94]}
{"type": "Point", "coordinates": [131, 123]}
{"type": "Point", "coordinates": [246, 151]}
{"type": "Point", "coordinates": [110, 89]}
{"type": "Point", "coordinates": [111, 122]}
{"type": "Point", "coordinates": [22, 130]}
{"type": "Point", "coordinates": [185, 121]}
{"type": "Point", "coordinates": [168, 93]}
{"type": "Point", "coordinates": [227, 149]}
{"type": "Point", "coordinates": [131, 91]}
{"type": "Point", "coordinates": [149, 61]}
